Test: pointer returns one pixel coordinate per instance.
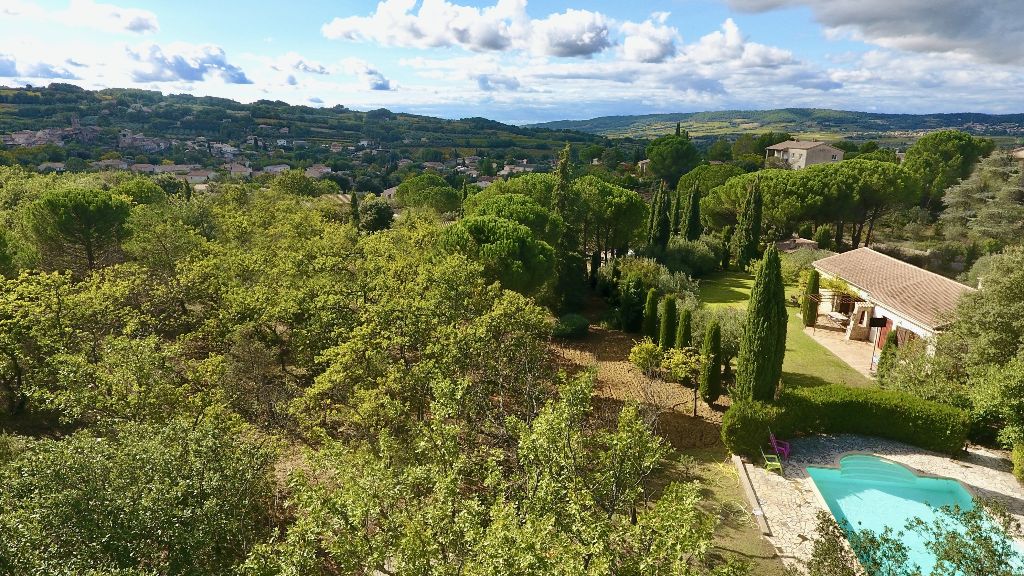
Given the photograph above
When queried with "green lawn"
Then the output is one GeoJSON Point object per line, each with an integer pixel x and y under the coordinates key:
{"type": "Point", "coordinates": [807, 363]}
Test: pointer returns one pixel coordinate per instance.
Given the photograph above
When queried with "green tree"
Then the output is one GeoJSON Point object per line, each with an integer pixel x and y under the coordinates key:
{"type": "Point", "coordinates": [710, 382]}
{"type": "Point", "coordinates": [764, 340]}
{"type": "Point", "coordinates": [375, 214]}
{"type": "Point", "coordinates": [671, 157]}
{"type": "Point", "coordinates": [647, 356]}
{"type": "Point", "coordinates": [939, 159]}
{"type": "Point", "coordinates": [693, 225]}
{"type": "Point", "coordinates": [509, 251]}
{"type": "Point", "coordinates": [650, 324]}
{"type": "Point", "coordinates": [353, 209]}
{"type": "Point", "coordinates": [809, 303]}
{"type": "Point", "coordinates": [720, 150]}
{"type": "Point", "coordinates": [888, 357]}
{"type": "Point", "coordinates": [188, 498]}
{"type": "Point", "coordinates": [78, 228]}
{"type": "Point", "coordinates": [747, 237]}
{"type": "Point", "coordinates": [428, 191]}
{"type": "Point", "coordinates": [669, 319]}
{"type": "Point", "coordinates": [684, 329]}
{"type": "Point", "coordinates": [570, 266]}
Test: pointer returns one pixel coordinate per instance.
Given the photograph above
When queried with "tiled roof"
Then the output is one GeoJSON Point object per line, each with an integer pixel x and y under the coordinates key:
{"type": "Point", "coordinates": [796, 145]}
{"type": "Point", "coordinates": [922, 296]}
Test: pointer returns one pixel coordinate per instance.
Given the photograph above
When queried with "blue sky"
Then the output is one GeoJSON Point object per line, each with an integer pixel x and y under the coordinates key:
{"type": "Point", "coordinates": [534, 60]}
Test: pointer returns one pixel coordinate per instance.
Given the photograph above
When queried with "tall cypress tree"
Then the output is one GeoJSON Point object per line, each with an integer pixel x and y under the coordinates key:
{"type": "Point", "coordinates": [763, 346]}
{"type": "Point", "coordinates": [809, 306]}
{"type": "Point", "coordinates": [354, 207]}
{"type": "Point", "coordinates": [650, 325]}
{"type": "Point", "coordinates": [663, 227]}
{"type": "Point", "coordinates": [710, 382]}
{"type": "Point", "coordinates": [684, 335]}
{"type": "Point", "coordinates": [669, 318]}
{"type": "Point", "coordinates": [570, 265]}
{"type": "Point", "coordinates": [887, 358]}
{"type": "Point", "coordinates": [747, 237]}
{"type": "Point", "coordinates": [693, 228]}
{"type": "Point", "coordinates": [677, 210]}
{"type": "Point", "coordinates": [652, 216]}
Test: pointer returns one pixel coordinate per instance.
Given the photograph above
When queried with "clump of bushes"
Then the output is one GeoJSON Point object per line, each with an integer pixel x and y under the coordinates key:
{"type": "Point", "coordinates": [798, 262]}
{"type": "Point", "coordinates": [570, 327]}
{"type": "Point", "coordinates": [697, 258]}
{"type": "Point", "coordinates": [837, 409]}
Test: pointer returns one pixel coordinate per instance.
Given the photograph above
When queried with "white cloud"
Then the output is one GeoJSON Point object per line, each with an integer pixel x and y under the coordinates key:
{"type": "Point", "coordinates": [650, 40]}
{"type": "Point", "coordinates": [991, 30]}
{"type": "Point", "coordinates": [493, 82]}
{"type": "Point", "coordinates": [573, 33]}
{"type": "Point", "coordinates": [184, 62]}
{"type": "Point", "coordinates": [8, 66]}
{"type": "Point", "coordinates": [88, 14]}
{"type": "Point", "coordinates": [372, 78]}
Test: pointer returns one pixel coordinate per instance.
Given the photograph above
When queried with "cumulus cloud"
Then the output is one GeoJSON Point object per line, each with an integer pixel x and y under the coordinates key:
{"type": "Point", "coordinates": [310, 67]}
{"type": "Point", "coordinates": [8, 67]}
{"type": "Point", "coordinates": [44, 70]}
{"type": "Point", "coordinates": [729, 45]}
{"type": "Point", "coordinates": [182, 62]}
{"type": "Point", "coordinates": [88, 14]}
{"type": "Point", "coordinates": [291, 81]}
{"type": "Point", "coordinates": [650, 40]}
{"type": "Point", "coordinates": [373, 79]}
{"type": "Point", "coordinates": [573, 33]}
{"type": "Point", "coordinates": [989, 30]}
{"type": "Point", "coordinates": [493, 82]}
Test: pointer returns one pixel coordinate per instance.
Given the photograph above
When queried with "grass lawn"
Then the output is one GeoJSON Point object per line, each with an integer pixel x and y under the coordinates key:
{"type": "Point", "coordinates": [807, 363]}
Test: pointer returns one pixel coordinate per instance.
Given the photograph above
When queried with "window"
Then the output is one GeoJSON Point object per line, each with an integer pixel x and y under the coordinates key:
{"type": "Point", "coordinates": [835, 157]}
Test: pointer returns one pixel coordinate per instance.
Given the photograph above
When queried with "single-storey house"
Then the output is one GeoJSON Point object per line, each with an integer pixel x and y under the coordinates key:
{"type": "Point", "coordinates": [803, 153]}
{"type": "Point", "coordinates": [884, 294]}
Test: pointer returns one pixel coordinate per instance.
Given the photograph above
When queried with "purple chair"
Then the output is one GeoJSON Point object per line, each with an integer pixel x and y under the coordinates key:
{"type": "Point", "coordinates": [781, 448]}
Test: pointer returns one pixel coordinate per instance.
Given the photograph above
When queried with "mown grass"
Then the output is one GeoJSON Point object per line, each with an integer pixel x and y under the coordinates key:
{"type": "Point", "coordinates": [807, 363]}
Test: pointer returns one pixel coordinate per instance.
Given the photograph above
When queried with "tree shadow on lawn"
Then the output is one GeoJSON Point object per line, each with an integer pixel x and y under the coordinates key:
{"type": "Point", "coordinates": [798, 380]}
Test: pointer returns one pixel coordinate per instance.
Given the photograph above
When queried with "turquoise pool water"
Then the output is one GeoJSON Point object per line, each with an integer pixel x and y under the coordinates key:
{"type": "Point", "coordinates": [873, 493]}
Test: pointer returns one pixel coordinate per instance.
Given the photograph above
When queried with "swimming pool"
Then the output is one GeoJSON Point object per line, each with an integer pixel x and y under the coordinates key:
{"type": "Point", "coordinates": [873, 493]}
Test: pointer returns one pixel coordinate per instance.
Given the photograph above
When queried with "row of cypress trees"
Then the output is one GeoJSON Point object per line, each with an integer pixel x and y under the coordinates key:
{"type": "Point", "coordinates": [675, 330]}
{"type": "Point", "coordinates": [675, 216]}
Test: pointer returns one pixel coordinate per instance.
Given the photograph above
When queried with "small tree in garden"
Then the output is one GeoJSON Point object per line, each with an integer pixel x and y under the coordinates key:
{"type": "Point", "coordinates": [710, 382]}
{"type": "Point", "coordinates": [684, 335]}
{"type": "Point", "coordinates": [889, 356]}
{"type": "Point", "coordinates": [650, 326]}
{"type": "Point", "coordinates": [747, 236]}
{"type": "Point", "coordinates": [764, 339]}
{"type": "Point", "coordinates": [647, 356]}
{"type": "Point", "coordinates": [669, 318]}
{"type": "Point", "coordinates": [682, 365]}
{"type": "Point", "coordinates": [809, 306]}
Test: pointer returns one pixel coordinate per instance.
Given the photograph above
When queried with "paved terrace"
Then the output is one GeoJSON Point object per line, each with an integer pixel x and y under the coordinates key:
{"type": "Point", "coordinates": [856, 353]}
{"type": "Point", "coordinates": [790, 504]}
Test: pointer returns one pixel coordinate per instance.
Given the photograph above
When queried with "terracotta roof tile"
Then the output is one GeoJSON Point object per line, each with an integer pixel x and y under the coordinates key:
{"type": "Point", "coordinates": [922, 296]}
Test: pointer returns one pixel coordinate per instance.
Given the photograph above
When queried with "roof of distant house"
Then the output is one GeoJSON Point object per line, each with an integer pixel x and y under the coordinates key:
{"type": "Point", "coordinates": [922, 296]}
{"type": "Point", "coordinates": [797, 145]}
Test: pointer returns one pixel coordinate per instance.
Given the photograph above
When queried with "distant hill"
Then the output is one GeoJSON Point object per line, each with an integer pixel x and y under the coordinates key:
{"type": "Point", "coordinates": [806, 122]}
{"type": "Point", "coordinates": [180, 117]}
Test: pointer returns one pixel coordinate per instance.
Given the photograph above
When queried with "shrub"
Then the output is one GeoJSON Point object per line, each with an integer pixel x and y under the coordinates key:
{"type": "Point", "coordinates": [711, 363]}
{"type": "Point", "coordinates": [809, 305]}
{"type": "Point", "coordinates": [669, 319]}
{"type": "Point", "coordinates": [570, 327]}
{"type": "Point", "coordinates": [836, 409]}
{"type": "Point", "coordinates": [694, 257]}
{"type": "Point", "coordinates": [799, 262]}
{"type": "Point", "coordinates": [646, 356]}
{"type": "Point", "coordinates": [650, 323]}
{"type": "Point", "coordinates": [1018, 462]}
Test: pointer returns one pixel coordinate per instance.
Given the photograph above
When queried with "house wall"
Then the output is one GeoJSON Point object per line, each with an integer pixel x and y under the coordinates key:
{"type": "Point", "coordinates": [880, 311]}
{"type": "Point", "coordinates": [822, 155]}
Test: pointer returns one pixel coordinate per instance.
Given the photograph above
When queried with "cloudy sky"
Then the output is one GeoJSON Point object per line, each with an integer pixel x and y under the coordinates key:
{"type": "Point", "coordinates": [528, 61]}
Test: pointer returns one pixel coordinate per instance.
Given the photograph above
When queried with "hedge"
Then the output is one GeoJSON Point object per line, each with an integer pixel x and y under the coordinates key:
{"type": "Point", "coordinates": [1018, 461]}
{"type": "Point", "coordinates": [837, 409]}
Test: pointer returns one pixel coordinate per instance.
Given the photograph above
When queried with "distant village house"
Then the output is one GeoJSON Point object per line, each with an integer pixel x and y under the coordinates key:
{"type": "Point", "coordinates": [803, 153]}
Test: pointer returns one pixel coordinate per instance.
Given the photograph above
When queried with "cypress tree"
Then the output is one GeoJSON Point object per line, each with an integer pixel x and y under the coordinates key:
{"type": "Point", "coordinates": [809, 306]}
{"type": "Point", "coordinates": [684, 335]}
{"type": "Point", "coordinates": [679, 129]}
{"type": "Point", "coordinates": [354, 207]}
{"type": "Point", "coordinates": [652, 216]}
{"type": "Point", "coordinates": [677, 209]}
{"type": "Point", "coordinates": [693, 228]}
{"type": "Point", "coordinates": [663, 228]}
{"type": "Point", "coordinates": [570, 264]}
{"type": "Point", "coordinates": [763, 345]}
{"type": "Point", "coordinates": [710, 382]}
{"type": "Point", "coordinates": [669, 318]}
{"type": "Point", "coordinates": [747, 236]}
{"type": "Point", "coordinates": [595, 265]}
{"type": "Point", "coordinates": [650, 325]}
{"type": "Point", "coordinates": [888, 356]}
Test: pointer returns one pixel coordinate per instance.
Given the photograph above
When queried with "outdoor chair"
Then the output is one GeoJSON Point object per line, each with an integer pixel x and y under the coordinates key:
{"type": "Point", "coordinates": [771, 462]}
{"type": "Point", "coordinates": [780, 447]}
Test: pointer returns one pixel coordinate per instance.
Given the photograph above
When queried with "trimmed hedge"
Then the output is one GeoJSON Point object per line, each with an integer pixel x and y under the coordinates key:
{"type": "Point", "coordinates": [837, 409]}
{"type": "Point", "coordinates": [570, 327]}
{"type": "Point", "coordinates": [1018, 461]}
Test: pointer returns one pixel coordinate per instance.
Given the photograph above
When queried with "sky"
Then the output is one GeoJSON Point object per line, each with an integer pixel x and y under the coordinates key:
{"type": "Point", "coordinates": [523, 61]}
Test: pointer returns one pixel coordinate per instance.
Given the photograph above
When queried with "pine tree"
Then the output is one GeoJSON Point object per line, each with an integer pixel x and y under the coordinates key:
{"type": "Point", "coordinates": [887, 358]}
{"type": "Point", "coordinates": [669, 319]}
{"type": "Point", "coordinates": [354, 207]}
{"type": "Point", "coordinates": [809, 306]}
{"type": "Point", "coordinates": [747, 237]}
{"type": "Point", "coordinates": [763, 346]}
{"type": "Point", "coordinates": [693, 228]}
{"type": "Point", "coordinates": [710, 382]}
{"type": "Point", "coordinates": [650, 325]}
{"type": "Point", "coordinates": [684, 334]}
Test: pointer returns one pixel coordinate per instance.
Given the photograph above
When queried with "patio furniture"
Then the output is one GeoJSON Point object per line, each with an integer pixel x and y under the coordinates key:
{"type": "Point", "coordinates": [780, 447]}
{"type": "Point", "coordinates": [771, 462]}
{"type": "Point", "coordinates": [838, 318]}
